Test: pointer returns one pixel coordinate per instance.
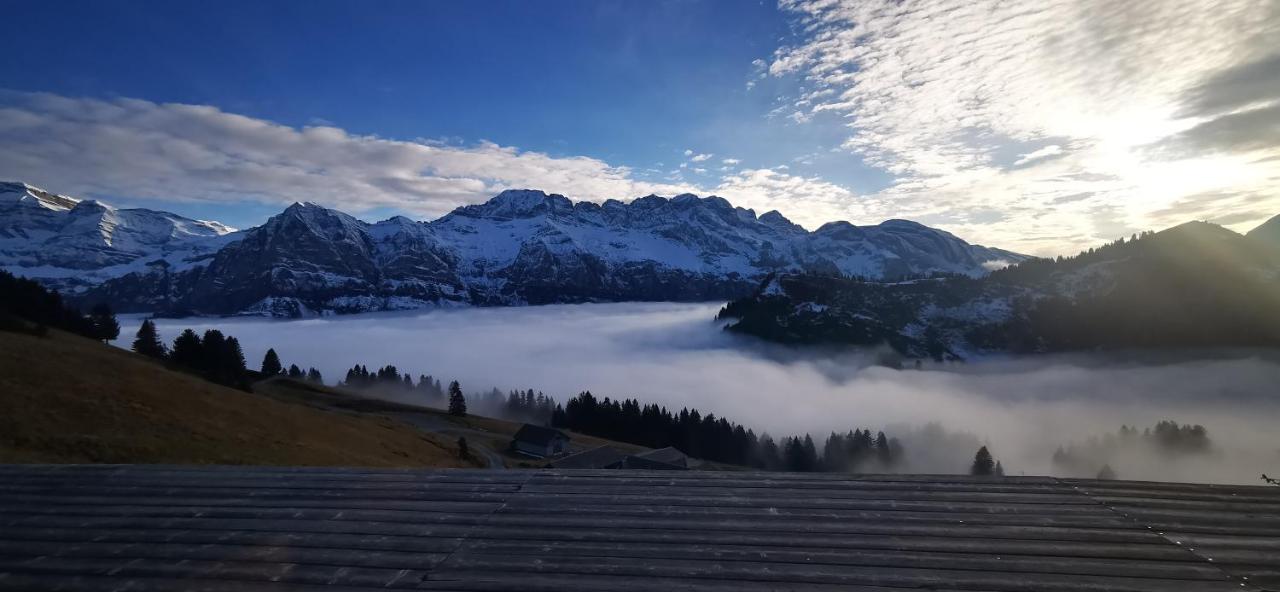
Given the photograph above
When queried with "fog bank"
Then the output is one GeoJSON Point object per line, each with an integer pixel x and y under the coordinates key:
{"type": "Point", "coordinates": [675, 355]}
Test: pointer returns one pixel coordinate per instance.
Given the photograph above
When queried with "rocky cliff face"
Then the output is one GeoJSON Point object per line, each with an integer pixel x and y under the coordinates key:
{"type": "Point", "coordinates": [521, 247]}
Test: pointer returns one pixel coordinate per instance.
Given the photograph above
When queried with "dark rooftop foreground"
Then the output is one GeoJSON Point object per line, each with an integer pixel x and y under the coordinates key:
{"type": "Point", "coordinates": [152, 528]}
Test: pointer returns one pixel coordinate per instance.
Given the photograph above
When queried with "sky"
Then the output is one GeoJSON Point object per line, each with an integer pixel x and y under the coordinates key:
{"type": "Point", "coordinates": [1042, 126]}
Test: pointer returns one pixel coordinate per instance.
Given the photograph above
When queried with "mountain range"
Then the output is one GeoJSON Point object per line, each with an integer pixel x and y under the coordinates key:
{"type": "Point", "coordinates": [1194, 285]}
{"type": "Point", "coordinates": [521, 247]}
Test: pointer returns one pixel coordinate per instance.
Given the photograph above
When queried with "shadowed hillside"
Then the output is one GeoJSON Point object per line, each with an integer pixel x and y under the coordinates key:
{"type": "Point", "coordinates": [64, 398]}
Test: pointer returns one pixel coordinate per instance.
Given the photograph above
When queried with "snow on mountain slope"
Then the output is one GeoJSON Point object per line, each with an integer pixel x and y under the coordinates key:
{"type": "Point", "coordinates": [521, 247]}
{"type": "Point", "coordinates": [71, 244]}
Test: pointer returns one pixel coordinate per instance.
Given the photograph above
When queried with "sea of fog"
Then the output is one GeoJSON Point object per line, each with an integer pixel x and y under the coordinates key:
{"type": "Point", "coordinates": [675, 354]}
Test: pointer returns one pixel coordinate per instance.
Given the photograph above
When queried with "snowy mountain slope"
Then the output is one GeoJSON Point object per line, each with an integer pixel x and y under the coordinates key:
{"type": "Point", "coordinates": [521, 247]}
{"type": "Point", "coordinates": [1193, 285]}
{"type": "Point", "coordinates": [70, 244]}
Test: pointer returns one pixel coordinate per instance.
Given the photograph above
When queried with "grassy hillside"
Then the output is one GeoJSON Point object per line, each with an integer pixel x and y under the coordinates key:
{"type": "Point", "coordinates": [69, 399]}
{"type": "Point", "coordinates": [482, 433]}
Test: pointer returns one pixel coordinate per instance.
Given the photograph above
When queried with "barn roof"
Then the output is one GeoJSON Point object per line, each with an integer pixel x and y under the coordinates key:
{"type": "Point", "coordinates": [103, 527]}
{"type": "Point", "coordinates": [600, 457]}
{"type": "Point", "coordinates": [538, 435]}
{"type": "Point", "coordinates": [669, 455]}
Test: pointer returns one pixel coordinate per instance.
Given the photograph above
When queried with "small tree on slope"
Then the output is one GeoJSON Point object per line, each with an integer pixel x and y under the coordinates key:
{"type": "Point", "coordinates": [105, 326]}
{"type": "Point", "coordinates": [271, 364]}
{"type": "Point", "coordinates": [147, 341]}
{"type": "Point", "coordinates": [982, 463]}
{"type": "Point", "coordinates": [457, 402]}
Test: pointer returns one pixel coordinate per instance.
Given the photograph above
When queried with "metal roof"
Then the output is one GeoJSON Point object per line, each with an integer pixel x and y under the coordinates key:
{"type": "Point", "coordinates": [139, 528]}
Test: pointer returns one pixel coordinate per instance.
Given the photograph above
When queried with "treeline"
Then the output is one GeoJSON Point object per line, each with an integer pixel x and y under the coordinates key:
{"type": "Point", "coordinates": [28, 307]}
{"type": "Point", "coordinates": [272, 366]}
{"type": "Point", "coordinates": [516, 405]}
{"type": "Point", "coordinates": [215, 356]}
{"type": "Point", "coordinates": [718, 439]}
{"type": "Point", "coordinates": [388, 377]}
{"type": "Point", "coordinates": [1097, 456]}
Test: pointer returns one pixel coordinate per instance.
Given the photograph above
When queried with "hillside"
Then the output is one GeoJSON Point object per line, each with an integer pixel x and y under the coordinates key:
{"type": "Point", "coordinates": [67, 399]}
{"type": "Point", "coordinates": [1194, 285]}
{"type": "Point", "coordinates": [488, 437]}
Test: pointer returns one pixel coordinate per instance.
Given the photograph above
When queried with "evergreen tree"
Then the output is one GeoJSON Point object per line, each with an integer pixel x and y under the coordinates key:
{"type": "Point", "coordinates": [457, 402]}
{"type": "Point", "coordinates": [313, 375]}
{"type": "Point", "coordinates": [295, 371]}
{"type": "Point", "coordinates": [105, 325]}
{"type": "Point", "coordinates": [463, 451]}
{"type": "Point", "coordinates": [982, 463]}
{"type": "Point", "coordinates": [187, 350]}
{"type": "Point", "coordinates": [271, 364]}
{"type": "Point", "coordinates": [147, 341]}
{"type": "Point", "coordinates": [884, 452]}
{"type": "Point", "coordinates": [1106, 473]}
{"type": "Point", "coordinates": [999, 470]}
{"type": "Point", "coordinates": [233, 359]}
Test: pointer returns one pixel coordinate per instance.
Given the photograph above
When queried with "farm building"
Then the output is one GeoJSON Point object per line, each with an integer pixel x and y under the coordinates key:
{"type": "Point", "coordinates": [539, 441]}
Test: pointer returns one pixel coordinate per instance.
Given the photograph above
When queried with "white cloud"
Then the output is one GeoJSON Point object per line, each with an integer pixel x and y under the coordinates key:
{"type": "Point", "coordinates": [700, 170]}
{"type": "Point", "coordinates": [939, 94]}
{"type": "Point", "coordinates": [139, 149]}
{"type": "Point", "coordinates": [730, 161]}
{"type": "Point", "coordinates": [701, 157]}
{"type": "Point", "coordinates": [1046, 152]}
{"type": "Point", "coordinates": [809, 202]}
{"type": "Point", "coordinates": [688, 152]}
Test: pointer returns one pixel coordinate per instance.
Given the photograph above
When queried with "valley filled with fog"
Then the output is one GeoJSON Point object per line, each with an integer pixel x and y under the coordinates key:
{"type": "Point", "coordinates": [675, 355]}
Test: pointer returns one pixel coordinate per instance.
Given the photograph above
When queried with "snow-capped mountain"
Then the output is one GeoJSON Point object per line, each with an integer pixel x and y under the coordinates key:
{"type": "Point", "coordinates": [69, 243]}
{"type": "Point", "coordinates": [525, 247]}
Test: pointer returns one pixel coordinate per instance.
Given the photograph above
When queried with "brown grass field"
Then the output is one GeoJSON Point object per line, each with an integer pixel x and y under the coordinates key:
{"type": "Point", "coordinates": [66, 399]}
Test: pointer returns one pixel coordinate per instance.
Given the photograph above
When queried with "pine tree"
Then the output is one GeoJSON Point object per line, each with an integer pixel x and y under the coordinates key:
{"type": "Point", "coordinates": [999, 470]}
{"type": "Point", "coordinates": [187, 350]}
{"type": "Point", "coordinates": [271, 364]}
{"type": "Point", "coordinates": [463, 451]}
{"type": "Point", "coordinates": [295, 371]}
{"type": "Point", "coordinates": [313, 375]}
{"type": "Point", "coordinates": [457, 402]}
{"type": "Point", "coordinates": [1107, 473]}
{"type": "Point", "coordinates": [148, 342]}
{"type": "Point", "coordinates": [982, 463]}
{"type": "Point", "coordinates": [105, 325]}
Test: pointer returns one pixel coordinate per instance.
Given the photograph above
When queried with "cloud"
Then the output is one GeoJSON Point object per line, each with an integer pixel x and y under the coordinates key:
{"type": "Point", "coordinates": [946, 97]}
{"type": "Point", "coordinates": [1252, 130]}
{"type": "Point", "coordinates": [145, 150]}
{"type": "Point", "coordinates": [688, 152]}
{"type": "Point", "coordinates": [730, 161]}
{"type": "Point", "coordinates": [701, 157]}
{"type": "Point", "coordinates": [671, 354]}
{"type": "Point", "coordinates": [1242, 85]}
{"type": "Point", "coordinates": [807, 201]}
{"type": "Point", "coordinates": [1046, 152]}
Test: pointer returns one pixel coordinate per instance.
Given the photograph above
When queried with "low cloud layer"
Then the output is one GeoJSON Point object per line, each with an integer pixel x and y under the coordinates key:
{"type": "Point", "coordinates": [675, 355]}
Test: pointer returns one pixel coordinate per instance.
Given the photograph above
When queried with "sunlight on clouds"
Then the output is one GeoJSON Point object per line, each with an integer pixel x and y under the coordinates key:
{"type": "Point", "coordinates": [1047, 111]}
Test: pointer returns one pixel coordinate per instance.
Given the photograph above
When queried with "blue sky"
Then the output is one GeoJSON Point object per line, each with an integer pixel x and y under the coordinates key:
{"type": "Point", "coordinates": [858, 110]}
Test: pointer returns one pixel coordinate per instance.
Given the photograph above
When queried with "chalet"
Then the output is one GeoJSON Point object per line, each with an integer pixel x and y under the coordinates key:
{"type": "Point", "coordinates": [538, 441]}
